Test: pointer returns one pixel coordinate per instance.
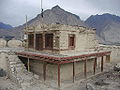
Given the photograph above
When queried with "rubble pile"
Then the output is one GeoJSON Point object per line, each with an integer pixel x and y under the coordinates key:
{"type": "Point", "coordinates": [18, 74]}
{"type": "Point", "coordinates": [106, 81]}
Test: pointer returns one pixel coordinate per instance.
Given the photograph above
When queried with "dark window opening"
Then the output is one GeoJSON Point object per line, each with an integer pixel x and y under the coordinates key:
{"type": "Point", "coordinates": [31, 41]}
{"type": "Point", "coordinates": [49, 41]}
{"type": "Point", "coordinates": [71, 41]}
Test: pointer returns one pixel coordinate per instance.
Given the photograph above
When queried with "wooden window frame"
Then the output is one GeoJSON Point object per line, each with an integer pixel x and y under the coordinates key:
{"type": "Point", "coordinates": [31, 40]}
{"type": "Point", "coordinates": [38, 43]}
{"type": "Point", "coordinates": [47, 47]}
{"type": "Point", "coordinates": [69, 41]}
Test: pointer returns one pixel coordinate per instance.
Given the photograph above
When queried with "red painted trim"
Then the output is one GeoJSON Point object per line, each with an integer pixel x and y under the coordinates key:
{"type": "Point", "coordinates": [61, 60]}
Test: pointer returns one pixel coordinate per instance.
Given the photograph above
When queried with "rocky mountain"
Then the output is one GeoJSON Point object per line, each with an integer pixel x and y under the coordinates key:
{"type": "Point", "coordinates": [57, 15]}
{"type": "Point", "coordinates": [5, 26]}
{"type": "Point", "coordinates": [108, 27]}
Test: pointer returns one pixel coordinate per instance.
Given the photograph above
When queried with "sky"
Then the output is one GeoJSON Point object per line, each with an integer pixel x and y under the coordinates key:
{"type": "Point", "coordinates": [13, 12]}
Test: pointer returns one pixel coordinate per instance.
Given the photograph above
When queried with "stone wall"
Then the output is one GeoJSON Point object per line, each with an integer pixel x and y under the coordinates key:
{"type": "Point", "coordinates": [85, 41]}
{"type": "Point", "coordinates": [3, 61]}
{"type": "Point", "coordinates": [66, 70]}
{"type": "Point", "coordinates": [115, 55]}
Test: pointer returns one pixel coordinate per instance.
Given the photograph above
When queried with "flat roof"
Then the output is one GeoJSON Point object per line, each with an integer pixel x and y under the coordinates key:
{"type": "Point", "coordinates": [56, 27]}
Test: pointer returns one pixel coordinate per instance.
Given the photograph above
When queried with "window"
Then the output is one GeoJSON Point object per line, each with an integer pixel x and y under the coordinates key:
{"type": "Point", "coordinates": [39, 42]}
{"type": "Point", "coordinates": [49, 41]}
{"type": "Point", "coordinates": [30, 40]}
{"type": "Point", "coordinates": [72, 41]}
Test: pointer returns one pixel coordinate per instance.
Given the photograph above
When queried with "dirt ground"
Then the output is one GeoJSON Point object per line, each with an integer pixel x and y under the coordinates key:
{"type": "Point", "coordinates": [6, 84]}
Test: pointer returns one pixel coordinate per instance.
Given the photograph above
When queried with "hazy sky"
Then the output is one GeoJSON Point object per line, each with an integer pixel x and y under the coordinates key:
{"type": "Point", "coordinates": [13, 11]}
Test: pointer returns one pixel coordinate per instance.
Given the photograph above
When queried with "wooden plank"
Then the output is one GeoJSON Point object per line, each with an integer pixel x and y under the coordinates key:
{"type": "Point", "coordinates": [58, 75]}
{"type": "Point", "coordinates": [102, 64]}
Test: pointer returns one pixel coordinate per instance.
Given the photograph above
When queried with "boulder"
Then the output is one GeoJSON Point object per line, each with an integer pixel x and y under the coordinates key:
{"type": "Point", "coordinates": [14, 43]}
{"type": "Point", "coordinates": [3, 43]}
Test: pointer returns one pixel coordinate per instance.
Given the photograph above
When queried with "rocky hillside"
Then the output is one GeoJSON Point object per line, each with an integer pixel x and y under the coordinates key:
{"type": "Point", "coordinates": [108, 27]}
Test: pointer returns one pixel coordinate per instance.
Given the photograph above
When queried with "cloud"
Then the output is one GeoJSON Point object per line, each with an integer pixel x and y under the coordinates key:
{"type": "Point", "coordinates": [14, 11]}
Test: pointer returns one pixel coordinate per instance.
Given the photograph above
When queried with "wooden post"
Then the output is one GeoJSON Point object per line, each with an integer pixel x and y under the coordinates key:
{"type": "Point", "coordinates": [28, 64]}
{"type": "Point", "coordinates": [44, 70]}
{"type": "Point", "coordinates": [85, 69]}
{"type": "Point", "coordinates": [102, 64]}
{"type": "Point", "coordinates": [73, 72]}
{"type": "Point", "coordinates": [43, 40]}
{"type": "Point", "coordinates": [58, 75]}
{"type": "Point", "coordinates": [107, 58]}
{"type": "Point", "coordinates": [34, 40]}
{"type": "Point", "coordinates": [94, 66]}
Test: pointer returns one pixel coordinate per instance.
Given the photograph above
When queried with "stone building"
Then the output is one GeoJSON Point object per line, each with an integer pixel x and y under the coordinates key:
{"type": "Point", "coordinates": [62, 52]}
{"type": "Point", "coordinates": [61, 39]}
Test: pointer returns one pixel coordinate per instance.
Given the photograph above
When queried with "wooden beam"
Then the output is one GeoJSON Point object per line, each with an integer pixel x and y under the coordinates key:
{"type": "Point", "coordinates": [58, 75]}
{"type": "Point", "coordinates": [28, 65]}
{"type": "Point", "coordinates": [44, 70]}
{"type": "Point", "coordinates": [73, 72]}
{"type": "Point", "coordinates": [102, 64]}
{"type": "Point", "coordinates": [94, 66]}
{"type": "Point", "coordinates": [85, 69]}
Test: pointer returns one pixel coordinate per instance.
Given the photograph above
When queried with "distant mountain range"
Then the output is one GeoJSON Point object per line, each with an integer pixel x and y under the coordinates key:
{"type": "Point", "coordinates": [107, 25]}
{"type": "Point", "coordinates": [5, 26]}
